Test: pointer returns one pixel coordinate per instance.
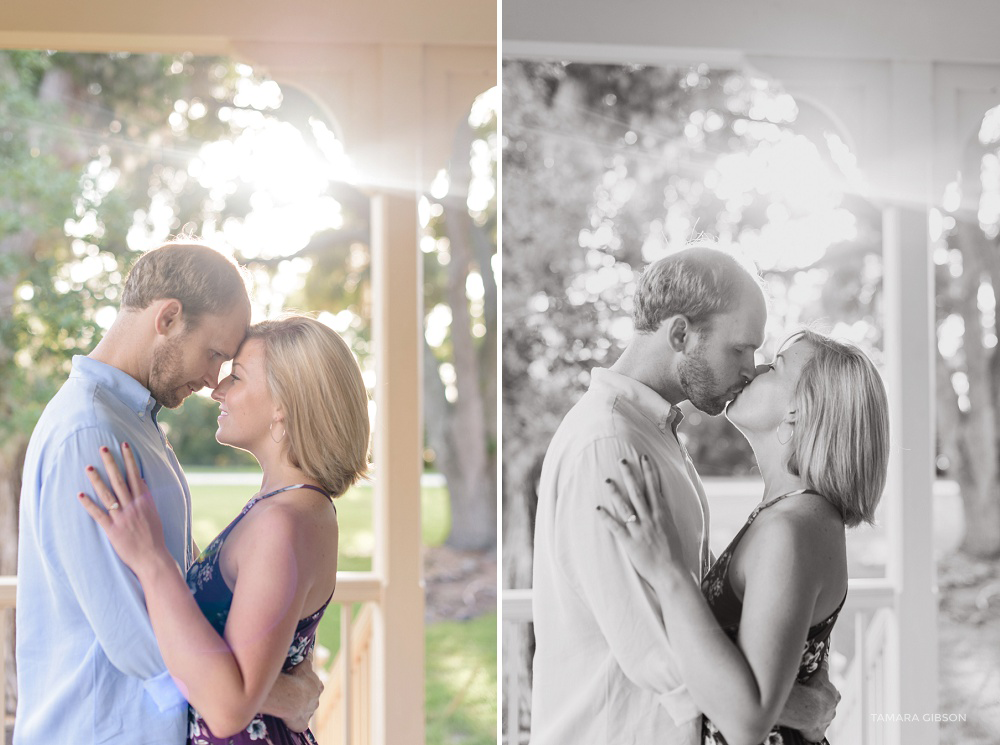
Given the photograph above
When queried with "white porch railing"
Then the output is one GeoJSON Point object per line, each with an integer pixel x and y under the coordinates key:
{"type": "Point", "coordinates": [863, 685]}
{"type": "Point", "coordinates": [344, 713]}
{"type": "Point", "coordinates": [345, 708]}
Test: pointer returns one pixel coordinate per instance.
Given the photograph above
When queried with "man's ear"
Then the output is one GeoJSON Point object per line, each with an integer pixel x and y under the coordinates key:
{"type": "Point", "coordinates": [169, 317]}
{"type": "Point", "coordinates": [678, 331]}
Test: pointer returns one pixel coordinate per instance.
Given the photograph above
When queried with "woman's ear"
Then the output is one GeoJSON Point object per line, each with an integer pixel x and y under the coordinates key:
{"type": "Point", "coordinates": [786, 428]}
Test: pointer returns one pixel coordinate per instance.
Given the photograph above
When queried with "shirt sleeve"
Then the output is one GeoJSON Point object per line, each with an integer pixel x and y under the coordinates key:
{"type": "Point", "coordinates": [77, 550]}
{"type": "Point", "coordinates": [624, 606]}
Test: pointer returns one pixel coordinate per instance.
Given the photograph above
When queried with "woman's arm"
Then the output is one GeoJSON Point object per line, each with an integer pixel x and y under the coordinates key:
{"type": "Point", "coordinates": [742, 689]}
{"type": "Point", "coordinates": [225, 679]}
{"type": "Point", "coordinates": [295, 694]}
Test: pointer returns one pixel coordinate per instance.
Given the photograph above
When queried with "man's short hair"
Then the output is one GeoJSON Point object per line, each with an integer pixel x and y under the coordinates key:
{"type": "Point", "coordinates": [697, 282]}
{"type": "Point", "coordinates": [205, 281]}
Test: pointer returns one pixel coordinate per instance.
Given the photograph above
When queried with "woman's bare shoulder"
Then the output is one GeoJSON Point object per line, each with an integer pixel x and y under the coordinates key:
{"type": "Point", "coordinates": [803, 544]}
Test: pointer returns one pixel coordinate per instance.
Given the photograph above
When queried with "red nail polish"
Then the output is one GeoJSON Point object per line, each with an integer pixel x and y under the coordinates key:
{"type": "Point", "coordinates": [90, 468]}
{"type": "Point", "coordinates": [125, 445]}
{"type": "Point", "coordinates": [104, 449]}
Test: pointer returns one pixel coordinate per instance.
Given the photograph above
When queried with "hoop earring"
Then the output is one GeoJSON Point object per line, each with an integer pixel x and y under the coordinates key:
{"type": "Point", "coordinates": [284, 431]}
{"type": "Point", "coordinates": [790, 432]}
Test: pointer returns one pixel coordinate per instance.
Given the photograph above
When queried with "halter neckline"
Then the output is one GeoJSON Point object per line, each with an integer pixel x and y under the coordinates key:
{"type": "Point", "coordinates": [295, 486]}
{"type": "Point", "coordinates": [765, 505]}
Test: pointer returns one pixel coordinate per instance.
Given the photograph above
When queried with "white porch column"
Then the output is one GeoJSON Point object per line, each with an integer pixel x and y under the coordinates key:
{"type": "Point", "coordinates": [397, 283]}
{"type": "Point", "coordinates": [398, 690]}
{"type": "Point", "coordinates": [909, 338]}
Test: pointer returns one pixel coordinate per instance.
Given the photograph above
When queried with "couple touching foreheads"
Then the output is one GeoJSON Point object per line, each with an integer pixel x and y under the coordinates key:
{"type": "Point", "coordinates": [642, 637]}
{"type": "Point", "coordinates": [169, 644]}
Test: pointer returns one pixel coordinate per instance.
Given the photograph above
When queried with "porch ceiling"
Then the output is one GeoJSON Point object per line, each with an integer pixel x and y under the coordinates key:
{"type": "Point", "coordinates": [910, 30]}
{"type": "Point", "coordinates": [80, 26]}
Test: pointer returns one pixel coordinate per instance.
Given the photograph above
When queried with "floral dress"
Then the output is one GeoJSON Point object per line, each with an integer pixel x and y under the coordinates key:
{"type": "Point", "coordinates": [215, 598]}
{"type": "Point", "coordinates": [727, 607]}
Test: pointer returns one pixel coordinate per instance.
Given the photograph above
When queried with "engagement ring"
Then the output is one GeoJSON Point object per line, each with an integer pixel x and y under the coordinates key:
{"type": "Point", "coordinates": [632, 518]}
{"type": "Point", "coordinates": [114, 506]}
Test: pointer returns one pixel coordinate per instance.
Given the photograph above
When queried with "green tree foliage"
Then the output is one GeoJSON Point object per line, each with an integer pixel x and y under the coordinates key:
{"type": "Point", "coordinates": [967, 363]}
{"type": "Point", "coordinates": [460, 381]}
{"type": "Point", "coordinates": [87, 141]}
{"type": "Point", "coordinates": [191, 429]}
{"type": "Point", "coordinates": [36, 199]}
{"type": "Point", "coordinates": [91, 147]}
{"type": "Point", "coordinates": [605, 167]}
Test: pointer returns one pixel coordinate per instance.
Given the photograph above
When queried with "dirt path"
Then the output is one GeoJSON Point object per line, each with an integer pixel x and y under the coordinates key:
{"type": "Point", "coordinates": [459, 584]}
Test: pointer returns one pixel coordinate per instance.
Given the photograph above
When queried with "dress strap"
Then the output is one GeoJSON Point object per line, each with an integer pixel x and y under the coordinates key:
{"type": "Point", "coordinates": [221, 538]}
{"type": "Point", "coordinates": [289, 488]}
{"type": "Point", "coordinates": [761, 507]}
{"type": "Point", "coordinates": [294, 486]}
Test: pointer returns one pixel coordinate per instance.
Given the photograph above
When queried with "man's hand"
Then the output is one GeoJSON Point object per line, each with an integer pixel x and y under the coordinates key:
{"type": "Point", "coordinates": [311, 687]}
{"type": "Point", "coordinates": [812, 706]}
{"type": "Point", "coordinates": [295, 696]}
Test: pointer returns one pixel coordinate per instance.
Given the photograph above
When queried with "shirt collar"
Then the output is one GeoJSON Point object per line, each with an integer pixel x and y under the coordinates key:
{"type": "Point", "coordinates": [122, 385]}
{"type": "Point", "coordinates": [665, 415]}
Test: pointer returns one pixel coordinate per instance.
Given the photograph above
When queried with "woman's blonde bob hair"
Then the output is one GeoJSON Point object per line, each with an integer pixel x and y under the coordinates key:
{"type": "Point", "coordinates": [840, 442]}
{"type": "Point", "coordinates": [315, 380]}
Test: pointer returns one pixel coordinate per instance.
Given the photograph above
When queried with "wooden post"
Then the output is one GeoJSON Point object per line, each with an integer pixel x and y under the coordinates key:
{"type": "Point", "coordinates": [398, 685]}
{"type": "Point", "coordinates": [397, 284]}
{"type": "Point", "coordinates": [909, 338]}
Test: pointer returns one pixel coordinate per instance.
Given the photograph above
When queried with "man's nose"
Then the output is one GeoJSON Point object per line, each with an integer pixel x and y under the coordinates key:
{"type": "Point", "coordinates": [748, 372]}
{"type": "Point", "coordinates": [761, 369]}
{"type": "Point", "coordinates": [211, 379]}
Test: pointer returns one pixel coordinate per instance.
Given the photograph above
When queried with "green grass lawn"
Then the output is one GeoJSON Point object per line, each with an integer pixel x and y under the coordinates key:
{"type": "Point", "coordinates": [462, 682]}
{"type": "Point", "coordinates": [461, 668]}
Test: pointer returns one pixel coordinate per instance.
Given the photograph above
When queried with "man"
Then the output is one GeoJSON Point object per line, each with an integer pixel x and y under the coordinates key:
{"type": "Point", "coordinates": [604, 671]}
{"type": "Point", "coordinates": [89, 670]}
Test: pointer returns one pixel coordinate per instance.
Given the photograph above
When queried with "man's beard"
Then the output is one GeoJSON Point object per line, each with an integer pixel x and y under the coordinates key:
{"type": "Point", "coordinates": [165, 377]}
{"type": "Point", "coordinates": [700, 385]}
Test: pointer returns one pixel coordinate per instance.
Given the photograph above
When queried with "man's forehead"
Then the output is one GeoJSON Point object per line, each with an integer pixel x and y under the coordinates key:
{"type": "Point", "coordinates": [742, 327]}
{"type": "Point", "coordinates": [234, 343]}
{"type": "Point", "coordinates": [751, 317]}
{"type": "Point", "coordinates": [226, 334]}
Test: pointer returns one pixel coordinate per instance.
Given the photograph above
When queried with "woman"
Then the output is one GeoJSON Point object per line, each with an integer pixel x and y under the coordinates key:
{"type": "Point", "coordinates": [817, 419]}
{"type": "Point", "coordinates": [252, 601]}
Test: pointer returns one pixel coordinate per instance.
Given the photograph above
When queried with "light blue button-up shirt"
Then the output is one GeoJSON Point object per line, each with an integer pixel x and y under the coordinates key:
{"type": "Point", "coordinates": [89, 669]}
